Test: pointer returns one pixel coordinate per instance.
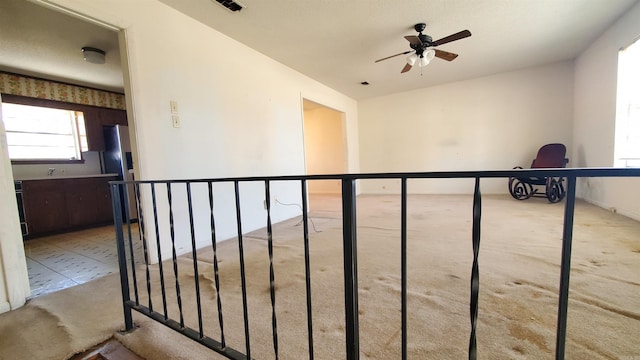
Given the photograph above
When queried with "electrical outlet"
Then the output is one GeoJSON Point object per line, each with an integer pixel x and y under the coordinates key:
{"type": "Point", "coordinates": [175, 120]}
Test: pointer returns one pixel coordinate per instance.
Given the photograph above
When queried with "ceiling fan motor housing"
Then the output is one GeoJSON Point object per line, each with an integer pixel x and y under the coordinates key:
{"type": "Point", "coordinates": [426, 40]}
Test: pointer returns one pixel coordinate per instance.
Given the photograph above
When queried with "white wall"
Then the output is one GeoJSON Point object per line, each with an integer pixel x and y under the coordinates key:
{"type": "Point", "coordinates": [14, 282]}
{"type": "Point", "coordinates": [325, 151]}
{"type": "Point", "coordinates": [488, 123]}
{"type": "Point", "coordinates": [595, 113]}
{"type": "Point", "coordinates": [241, 112]}
{"type": "Point", "coordinates": [90, 166]}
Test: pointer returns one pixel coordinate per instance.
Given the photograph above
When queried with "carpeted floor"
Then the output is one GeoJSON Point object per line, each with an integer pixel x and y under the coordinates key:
{"type": "Point", "coordinates": [519, 276]}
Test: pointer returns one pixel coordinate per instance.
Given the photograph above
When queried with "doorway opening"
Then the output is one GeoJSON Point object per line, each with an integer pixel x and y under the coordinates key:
{"type": "Point", "coordinates": [325, 144]}
{"type": "Point", "coordinates": [44, 57]}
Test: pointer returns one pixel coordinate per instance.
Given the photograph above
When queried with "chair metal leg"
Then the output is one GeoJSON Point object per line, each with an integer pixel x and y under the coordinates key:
{"type": "Point", "coordinates": [554, 190]}
{"type": "Point", "coordinates": [520, 190]}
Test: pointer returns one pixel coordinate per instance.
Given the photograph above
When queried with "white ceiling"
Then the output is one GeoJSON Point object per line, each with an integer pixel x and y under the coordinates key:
{"type": "Point", "coordinates": [333, 41]}
{"type": "Point", "coordinates": [40, 42]}
{"type": "Point", "coordinates": [337, 41]}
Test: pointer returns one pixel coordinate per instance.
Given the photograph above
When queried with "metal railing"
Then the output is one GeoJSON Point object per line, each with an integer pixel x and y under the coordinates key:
{"type": "Point", "coordinates": [147, 191]}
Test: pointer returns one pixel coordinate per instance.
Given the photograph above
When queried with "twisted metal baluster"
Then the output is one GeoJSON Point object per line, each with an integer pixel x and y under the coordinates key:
{"type": "Point", "coordinates": [145, 252]}
{"type": "Point", "coordinates": [194, 255]}
{"type": "Point", "coordinates": [272, 280]}
{"type": "Point", "coordinates": [475, 276]}
{"type": "Point", "coordinates": [216, 274]}
{"type": "Point", "coordinates": [160, 269]}
{"type": "Point", "coordinates": [243, 280]}
{"type": "Point", "coordinates": [175, 256]}
{"type": "Point", "coordinates": [136, 189]}
{"type": "Point", "coordinates": [133, 262]}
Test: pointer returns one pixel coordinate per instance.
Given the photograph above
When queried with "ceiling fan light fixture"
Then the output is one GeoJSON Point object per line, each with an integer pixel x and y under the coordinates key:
{"type": "Point", "coordinates": [93, 55]}
{"type": "Point", "coordinates": [426, 57]}
{"type": "Point", "coordinates": [423, 62]}
{"type": "Point", "coordinates": [411, 60]}
{"type": "Point", "coordinates": [430, 54]}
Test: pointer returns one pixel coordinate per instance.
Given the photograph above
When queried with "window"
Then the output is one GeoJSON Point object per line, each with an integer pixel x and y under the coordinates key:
{"type": "Point", "coordinates": [627, 140]}
{"type": "Point", "coordinates": [43, 134]}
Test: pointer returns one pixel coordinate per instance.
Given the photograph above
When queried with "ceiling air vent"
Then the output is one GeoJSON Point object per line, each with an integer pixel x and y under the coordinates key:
{"type": "Point", "coordinates": [230, 5]}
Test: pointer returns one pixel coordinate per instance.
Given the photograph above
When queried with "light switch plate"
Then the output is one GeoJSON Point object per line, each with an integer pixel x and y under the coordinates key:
{"type": "Point", "coordinates": [175, 120]}
{"type": "Point", "coordinates": [174, 106]}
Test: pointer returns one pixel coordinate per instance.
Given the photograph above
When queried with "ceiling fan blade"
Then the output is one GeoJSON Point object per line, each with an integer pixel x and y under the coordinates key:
{"type": "Point", "coordinates": [413, 39]}
{"type": "Point", "coordinates": [406, 68]}
{"type": "Point", "coordinates": [457, 36]}
{"type": "Point", "coordinates": [389, 57]}
{"type": "Point", "coordinates": [445, 55]}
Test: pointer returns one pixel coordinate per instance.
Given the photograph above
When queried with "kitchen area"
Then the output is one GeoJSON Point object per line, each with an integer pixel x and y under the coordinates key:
{"type": "Point", "coordinates": [57, 197]}
{"type": "Point", "coordinates": [65, 208]}
{"type": "Point", "coordinates": [52, 59]}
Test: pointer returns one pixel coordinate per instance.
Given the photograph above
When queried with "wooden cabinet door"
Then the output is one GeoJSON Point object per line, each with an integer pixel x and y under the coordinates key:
{"type": "Point", "coordinates": [95, 135]}
{"type": "Point", "coordinates": [81, 201]}
{"type": "Point", "coordinates": [104, 207]}
{"type": "Point", "coordinates": [65, 204]}
{"type": "Point", "coordinates": [97, 118]}
{"type": "Point", "coordinates": [112, 117]}
{"type": "Point", "coordinates": [45, 206]}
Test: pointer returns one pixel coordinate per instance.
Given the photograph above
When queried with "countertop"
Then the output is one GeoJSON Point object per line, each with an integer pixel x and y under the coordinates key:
{"type": "Point", "coordinates": [55, 177]}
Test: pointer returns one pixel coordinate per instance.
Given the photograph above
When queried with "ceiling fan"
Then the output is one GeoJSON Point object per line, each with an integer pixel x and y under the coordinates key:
{"type": "Point", "coordinates": [423, 47]}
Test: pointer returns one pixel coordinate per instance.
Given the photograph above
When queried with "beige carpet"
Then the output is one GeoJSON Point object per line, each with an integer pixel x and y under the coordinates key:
{"type": "Point", "coordinates": [60, 324]}
{"type": "Point", "coordinates": [519, 276]}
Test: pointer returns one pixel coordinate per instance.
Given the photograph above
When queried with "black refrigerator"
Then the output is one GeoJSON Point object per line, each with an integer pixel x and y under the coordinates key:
{"type": "Point", "coordinates": [118, 160]}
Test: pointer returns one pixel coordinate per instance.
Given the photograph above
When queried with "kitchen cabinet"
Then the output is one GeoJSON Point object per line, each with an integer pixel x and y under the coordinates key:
{"type": "Point", "coordinates": [44, 206]}
{"type": "Point", "coordinates": [80, 196]}
{"type": "Point", "coordinates": [109, 117]}
{"type": "Point", "coordinates": [104, 206]}
{"type": "Point", "coordinates": [93, 126]}
{"type": "Point", "coordinates": [95, 119]}
{"type": "Point", "coordinates": [56, 205]}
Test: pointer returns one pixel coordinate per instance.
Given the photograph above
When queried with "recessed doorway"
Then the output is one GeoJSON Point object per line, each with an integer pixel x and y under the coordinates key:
{"type": "Point", "coordinates": [44, 47]}
{"type": "Point", "coordinates": [325, 148]}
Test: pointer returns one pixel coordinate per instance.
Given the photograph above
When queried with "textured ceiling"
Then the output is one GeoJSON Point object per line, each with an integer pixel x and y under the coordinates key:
{"type": "Point", "coordinates": [337, 41]}
{"type": "Point", "coordinates": [40, 42]}
{"type": "Point", "coordinates": [332, 41]}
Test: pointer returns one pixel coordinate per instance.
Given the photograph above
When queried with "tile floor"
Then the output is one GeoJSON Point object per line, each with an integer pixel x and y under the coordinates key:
{"type": "Point", "coordinates": [61, 261]}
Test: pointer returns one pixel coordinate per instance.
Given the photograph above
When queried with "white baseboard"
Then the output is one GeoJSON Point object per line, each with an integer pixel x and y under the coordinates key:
{"type": "Point", "coordinates": [16, 304]}
{"type": "Point", "coordinates": [4, 307]}
{"type": "Point", "coordinates": [623, 212]}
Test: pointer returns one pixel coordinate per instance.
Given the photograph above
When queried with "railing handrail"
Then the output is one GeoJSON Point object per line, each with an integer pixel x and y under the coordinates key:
{"type": "Point", "coordinates": [349, 227]}
{"type": "Point", "coordinates": [466, 174]}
